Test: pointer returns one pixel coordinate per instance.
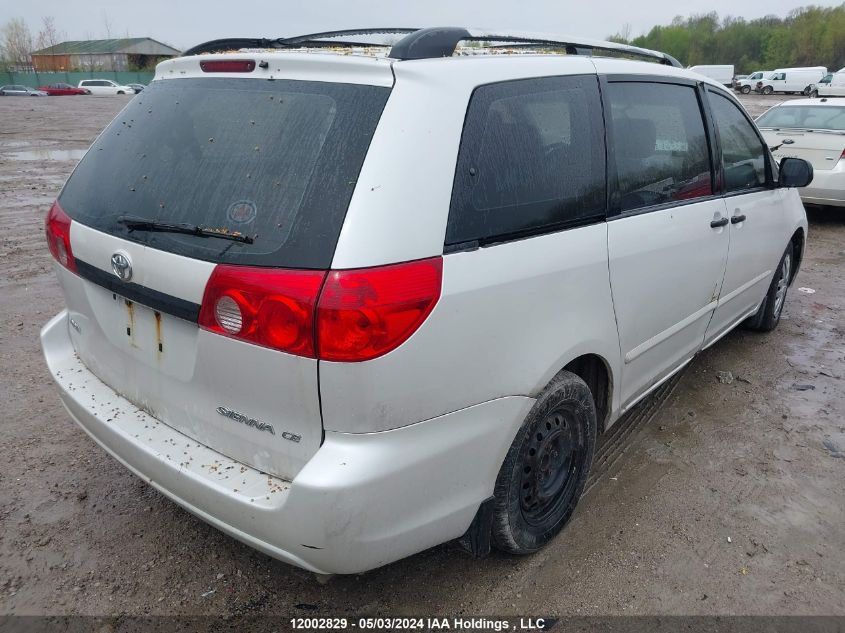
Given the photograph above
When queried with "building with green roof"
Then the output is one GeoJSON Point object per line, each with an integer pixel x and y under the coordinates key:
{"type": "Point", "coordinates": [130, 53]}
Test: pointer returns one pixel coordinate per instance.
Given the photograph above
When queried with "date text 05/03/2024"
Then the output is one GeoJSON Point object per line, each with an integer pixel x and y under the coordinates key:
{"type": "Point", "coordinates": [425, 624]}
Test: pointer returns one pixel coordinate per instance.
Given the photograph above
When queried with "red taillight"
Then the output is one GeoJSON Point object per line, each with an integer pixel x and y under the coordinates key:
{"type": "Point", "coordinates": [359, 314]}
{"type": "Point", "coordinates": [57, 228]}
{"type": "Point", "coordinates": [228, 66]}
{"type": "Point", "coordinates": [363, 314]}
{"type": "Point", "coordinates": [269, 307]}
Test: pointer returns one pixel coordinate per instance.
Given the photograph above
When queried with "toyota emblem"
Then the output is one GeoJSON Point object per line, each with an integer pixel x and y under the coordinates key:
{"type": "Point", "coordinates": [121, 266]}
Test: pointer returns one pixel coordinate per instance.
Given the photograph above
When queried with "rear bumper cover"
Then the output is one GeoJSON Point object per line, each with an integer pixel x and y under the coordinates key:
{"type": "Point", "coordinates": [362, 501]}
{"type": "Point", "coordinates": [827, 188]}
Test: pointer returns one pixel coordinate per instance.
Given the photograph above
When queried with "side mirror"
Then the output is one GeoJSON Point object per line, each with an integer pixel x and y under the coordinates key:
{"type": "Point", "coordinates": [795, 172]}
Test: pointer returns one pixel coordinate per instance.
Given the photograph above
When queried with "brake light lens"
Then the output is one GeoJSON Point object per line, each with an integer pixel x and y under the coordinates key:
{"type": "Point", "coordinates": [57, 228]}
{"type": "Point", "coordinates": [228, 66]}
{"type": "Point", "coordinates": [269, 307]}
{"type": "Point", "coordinates": [364, 314]}
{"type": "Point", "coordinates": [356, 315]}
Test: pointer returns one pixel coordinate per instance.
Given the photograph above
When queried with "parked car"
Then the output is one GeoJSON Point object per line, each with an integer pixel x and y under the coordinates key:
{"type": "Point", "coordinates": [812, 129]}
{"type": "Point", "coordinates": [60, 90]}
{"type": "Point", "coordinates": [747, 84]}
{"type": "Point", "coordinates": [833, 85]}
{"type": "Point", "coordinates": [406, 318]}
{"type": "Point", "coordinates": [105, 87]}
{"type": "Point", "coordinates": [721, 73]}
{"type": "Point", "coordinates": [791, 80]}
{"type": "Point", "coordinates": [136, 87]}
{"type": "Point", "coordinates": [20, 91]}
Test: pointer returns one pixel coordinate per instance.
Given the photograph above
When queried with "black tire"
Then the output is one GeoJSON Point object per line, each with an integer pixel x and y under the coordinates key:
{"type": "Point", "coordinates": [767, 90]}
{"type": "Point", "coordinates": [546, 467]}
{"type": "Point", "coordinates": [814, 94]}
{"type": "Point", "coordinates": [745, 90]}
{"type": "Point", "coordinates": [120, 92]}
{"type": "Point", "coordinates": [767, 317]}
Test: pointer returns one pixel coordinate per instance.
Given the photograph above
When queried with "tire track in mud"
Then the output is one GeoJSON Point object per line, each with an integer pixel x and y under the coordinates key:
{"type": "Point", "coordinates": [613, 445]}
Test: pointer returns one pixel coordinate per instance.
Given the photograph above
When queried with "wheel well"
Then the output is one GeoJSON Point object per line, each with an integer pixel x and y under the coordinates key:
{"type": "Point", "coordinates": [593, 370]}
{"type": "Point", "coordinates": [797, 251]}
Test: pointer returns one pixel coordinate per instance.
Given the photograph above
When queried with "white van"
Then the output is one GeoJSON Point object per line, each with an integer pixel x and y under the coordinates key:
{"type": "Point", "coordinates": [791, 80]}
{"type": "Point", "coordinates": [401, 293]}
{"type": "Point", "coordinates": [105, 87]}
{"type": "Point", "coordinates": [723, 73]}
{"type": "Point", "coordinates": [747, 85]}
{"type": "Point", "coordinates": [833, 88]}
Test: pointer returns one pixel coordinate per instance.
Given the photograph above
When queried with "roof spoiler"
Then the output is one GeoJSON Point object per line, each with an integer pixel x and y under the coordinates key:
{"type": "Point", "coordinates": [435, 42]}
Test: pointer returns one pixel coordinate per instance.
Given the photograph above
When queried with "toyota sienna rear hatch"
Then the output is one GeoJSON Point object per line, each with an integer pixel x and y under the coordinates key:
{"type": "Point", "coordinates": [237, 184]}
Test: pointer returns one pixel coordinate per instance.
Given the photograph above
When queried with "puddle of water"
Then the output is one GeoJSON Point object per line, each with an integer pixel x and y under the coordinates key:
{"type": "Point", "coordinates": [46, 154]}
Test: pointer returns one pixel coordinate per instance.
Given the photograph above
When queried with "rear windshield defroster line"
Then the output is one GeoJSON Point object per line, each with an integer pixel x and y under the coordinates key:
{"type": "Point", "coordinates": [276, 161]}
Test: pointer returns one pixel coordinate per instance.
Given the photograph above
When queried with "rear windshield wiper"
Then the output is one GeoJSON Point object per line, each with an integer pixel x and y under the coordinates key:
{"type": "Point", "coordinates": [135, 223]}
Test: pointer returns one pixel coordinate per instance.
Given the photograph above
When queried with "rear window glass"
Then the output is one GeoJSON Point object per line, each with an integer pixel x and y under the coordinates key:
{"type": "Point", "coordinates": [276, 161]}
{"type": "Point", "coordinates": [804, 117]}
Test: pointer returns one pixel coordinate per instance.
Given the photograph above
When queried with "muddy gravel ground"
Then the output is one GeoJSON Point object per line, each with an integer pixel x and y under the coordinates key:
{"type": "Point", "coordinates": [719, 497]}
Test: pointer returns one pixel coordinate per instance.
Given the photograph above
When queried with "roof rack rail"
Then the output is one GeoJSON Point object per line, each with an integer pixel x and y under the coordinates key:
{"type": "Point", "coordinates": [312, 39]}
{"type": "Point", "coordinates": [442, 42]}
{"type": "Point", "coordinates": [428, 43]}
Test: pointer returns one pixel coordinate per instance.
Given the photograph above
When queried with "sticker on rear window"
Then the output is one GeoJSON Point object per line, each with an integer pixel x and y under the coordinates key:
{"type": "Point", "coordinates": [242, 212]}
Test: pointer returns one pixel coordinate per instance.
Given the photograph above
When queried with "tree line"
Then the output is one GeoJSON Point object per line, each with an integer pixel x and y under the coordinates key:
{"type": "Point", "coordinates": [807, 36]}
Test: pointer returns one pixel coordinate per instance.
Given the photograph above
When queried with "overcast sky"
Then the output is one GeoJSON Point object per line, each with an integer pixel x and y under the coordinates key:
{"type": "Point", "coordinates": [183, 23]}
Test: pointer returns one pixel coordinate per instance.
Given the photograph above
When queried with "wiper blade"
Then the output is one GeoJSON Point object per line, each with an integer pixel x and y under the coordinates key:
{"type": "Point", "coordinates": [135, 223]}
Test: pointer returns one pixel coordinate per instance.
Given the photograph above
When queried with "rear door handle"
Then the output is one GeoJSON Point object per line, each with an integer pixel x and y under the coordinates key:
{"type": "Point", "coordinates": [715, 224]}
{"type": "Point", "coordinates": [736, 219]}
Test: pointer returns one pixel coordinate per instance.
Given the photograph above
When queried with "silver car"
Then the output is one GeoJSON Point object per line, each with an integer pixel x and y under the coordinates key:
{"type": "Point", "coordinates": [20, 91]}
{"type": "Point", "coordinates": [391, 297]}
{"type": "Point", "coordinates": [812, 129]}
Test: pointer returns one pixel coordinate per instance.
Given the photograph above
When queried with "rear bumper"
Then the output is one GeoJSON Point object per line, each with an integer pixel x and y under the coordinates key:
{"type": "Point", "coordinates": [827, 188]}
{"type": "Point", "coordinates": [362, 501]}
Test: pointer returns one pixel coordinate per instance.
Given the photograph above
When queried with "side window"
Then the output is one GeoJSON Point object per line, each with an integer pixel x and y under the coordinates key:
{"type": "Point", "coordinates": [532, 158]}
{"type": "Point", "coordinates": [743, 153]}
{"type": "Point", "coordinates": [661, 149]}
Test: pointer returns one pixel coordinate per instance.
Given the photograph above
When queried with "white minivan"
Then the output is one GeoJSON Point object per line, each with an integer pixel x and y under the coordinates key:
{"type": "Point", "coordinates": [105, 87]}
{"type": "Point", "coordinates": [791, 80]}
{"type": "Point", "coordinates": [346, 305]}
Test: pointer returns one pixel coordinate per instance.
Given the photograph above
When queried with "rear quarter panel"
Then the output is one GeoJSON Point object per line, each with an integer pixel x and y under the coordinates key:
{"type": "Point", "coordinates": [509, 318]}
{"type": "Point", "coordinates": [511, 315]}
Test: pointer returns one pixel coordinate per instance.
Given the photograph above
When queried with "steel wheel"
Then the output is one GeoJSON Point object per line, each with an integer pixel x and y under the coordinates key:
{"type": "Point", "coordinates": [546, 467]}
{"type": "Point", "coordinates": [550, 465]}
{"type": "Point", "coordinates": [783, 282]}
